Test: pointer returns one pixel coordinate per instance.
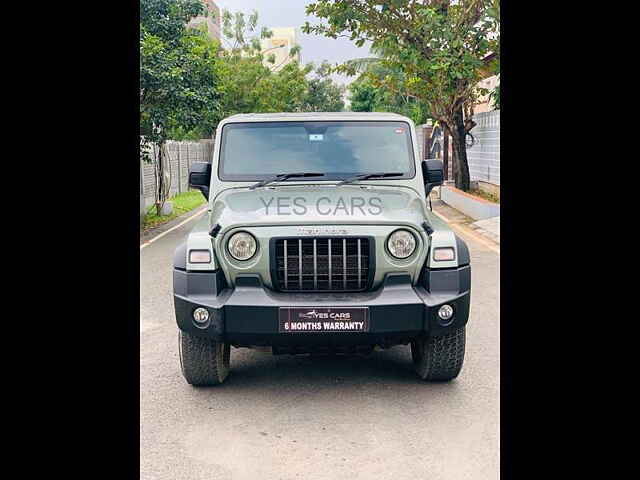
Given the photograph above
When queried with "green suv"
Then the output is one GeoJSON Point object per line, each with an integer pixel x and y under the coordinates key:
{"type": "Point", "coordinates": [319, 238]}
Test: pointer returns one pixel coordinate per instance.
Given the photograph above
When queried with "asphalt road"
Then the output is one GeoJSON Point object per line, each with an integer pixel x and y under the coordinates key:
{"type": "Point", "coordinates": [301, 417]}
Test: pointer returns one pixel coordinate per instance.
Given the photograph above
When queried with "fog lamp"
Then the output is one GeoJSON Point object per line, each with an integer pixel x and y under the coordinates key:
{"type": "Point", "coordinates": [445, 312]}
{"type": "Point", "coordinates": [201, 315]}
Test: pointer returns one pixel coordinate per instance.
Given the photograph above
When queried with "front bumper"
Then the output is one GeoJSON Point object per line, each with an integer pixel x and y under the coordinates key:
{"type": "Point", "coordinates": [249, 313]}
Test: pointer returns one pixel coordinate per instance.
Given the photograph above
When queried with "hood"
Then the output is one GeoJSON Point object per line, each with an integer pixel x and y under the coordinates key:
{"type": "Point", "coordinates": [318, 204]}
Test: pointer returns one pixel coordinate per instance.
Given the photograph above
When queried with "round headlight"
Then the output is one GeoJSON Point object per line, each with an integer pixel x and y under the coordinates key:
{"type": "Point", "coordinates": [401, 244]}
{"type": "Point", "coordinates": [242, 246]}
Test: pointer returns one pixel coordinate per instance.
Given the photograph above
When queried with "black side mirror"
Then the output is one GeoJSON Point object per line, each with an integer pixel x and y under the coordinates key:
{"type": "Point", "coordinates": [433, 173]}
{"type": "Point", "coordinates": [200, 177]}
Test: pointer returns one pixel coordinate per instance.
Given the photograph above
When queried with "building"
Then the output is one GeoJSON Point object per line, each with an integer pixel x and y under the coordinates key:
{"type": "Point", "coordinates": [490, 82]}
{"type": "Point", "coordinates": [280, 45]}
{"type": "Point", "coordinates": [212, 20]}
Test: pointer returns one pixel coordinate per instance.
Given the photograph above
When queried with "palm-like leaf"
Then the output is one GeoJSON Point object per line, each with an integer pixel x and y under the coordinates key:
{"type": "Point", "coordinates": [361, 65]}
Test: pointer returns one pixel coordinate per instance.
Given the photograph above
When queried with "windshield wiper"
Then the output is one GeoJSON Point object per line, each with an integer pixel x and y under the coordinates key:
{"type": "Point", "coordinates": [284, 176]}
{"type": "Point", "coordinates": [366, 176]}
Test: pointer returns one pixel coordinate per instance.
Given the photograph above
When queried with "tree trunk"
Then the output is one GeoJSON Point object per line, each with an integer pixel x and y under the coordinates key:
{"type": "Point", "coordinates": [461, 166]}
{"type": "Point", "coordinates": [445, 150]}
{"type": "Point", "coordinates": [160, 179]}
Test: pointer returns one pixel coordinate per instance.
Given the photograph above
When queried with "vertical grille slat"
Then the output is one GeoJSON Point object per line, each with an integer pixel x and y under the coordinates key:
{"type": "Point", "coordinates": [359, 265]}
{"type": "Point", "coordinates": [330, 264]}
{"type": "Point", "coordinates": [315, 264]}
{"type": "Point", "coordinates": [286, 273]}
{"type": "Point", "coordinates": [344, 263]}
{"type": "Point", "coordinates": [300, 263]}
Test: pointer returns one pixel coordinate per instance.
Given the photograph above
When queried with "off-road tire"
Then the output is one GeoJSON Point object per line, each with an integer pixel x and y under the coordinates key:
{"type": "Point", "coordinates": [439, 358]}
{"type": "Point", "coordinates": [203, 361]}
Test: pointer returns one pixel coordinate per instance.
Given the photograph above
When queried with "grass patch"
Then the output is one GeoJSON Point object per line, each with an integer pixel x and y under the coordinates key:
{"type": "Point", "coordinates": [182, 203]}
{"type": "Point", "coordinates": [486, 195]}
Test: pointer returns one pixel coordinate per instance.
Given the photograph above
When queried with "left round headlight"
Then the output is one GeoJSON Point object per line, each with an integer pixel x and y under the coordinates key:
{"type": "Point", "coordinates": [242, 246]}
{"type": "Point", "coordinates": [401, 244]}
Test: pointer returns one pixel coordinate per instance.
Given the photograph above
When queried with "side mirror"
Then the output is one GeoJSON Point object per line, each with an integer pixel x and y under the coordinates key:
{"type": "Point", "coordinates": [200, 177]}
{"type": "Point", "coordinates": [433, 173]}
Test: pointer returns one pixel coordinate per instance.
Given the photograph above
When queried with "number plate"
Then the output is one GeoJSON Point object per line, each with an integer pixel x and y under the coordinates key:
{"type": "Point", "coordinates": [319, 320]}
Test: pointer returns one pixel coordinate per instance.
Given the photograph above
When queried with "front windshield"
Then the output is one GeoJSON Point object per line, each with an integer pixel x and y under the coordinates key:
{"type": "Point", "coordinates": [255, 151]}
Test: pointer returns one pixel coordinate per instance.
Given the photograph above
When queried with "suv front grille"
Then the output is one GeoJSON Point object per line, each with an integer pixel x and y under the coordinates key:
{"type": "Point", "coordinates": [322, 264]}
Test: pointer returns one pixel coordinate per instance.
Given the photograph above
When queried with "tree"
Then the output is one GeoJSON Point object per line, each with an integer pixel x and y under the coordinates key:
{"type": "Point", "coordinates": [494, 46]}
{"type": "Point", "coordinates": [250, 81]}
{"type": "Point", "coordinates": [371, 92]}
{"type": "Point", "coordinates": [284, 90]}
{"type": "Point", "coordinates": [177, 79]}
{"type": "Point", "coordinates": [323, 94]}
{"type": "Point", "coordinates": [494, 96]}
{"type": "Point", "coordinates": [364, 96]}
{"type": "Point", "coordinates": [382, 88]}
{"type": "Point", "coordinates": [439, 45]}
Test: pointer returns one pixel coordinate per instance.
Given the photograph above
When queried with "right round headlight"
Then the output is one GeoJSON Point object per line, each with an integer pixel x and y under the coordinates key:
{"type": "Point", "coordinates": [242, 246]}
{"type": "Point", "coordinates": [401, 244]}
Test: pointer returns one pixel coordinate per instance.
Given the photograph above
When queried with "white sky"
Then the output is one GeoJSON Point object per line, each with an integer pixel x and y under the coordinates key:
{"type": "Point", "coordinates": [291, 13]}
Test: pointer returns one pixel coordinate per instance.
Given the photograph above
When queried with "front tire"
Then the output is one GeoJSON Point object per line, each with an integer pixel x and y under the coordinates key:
{"type": "Point", "coordinates": [439, 358]}
{"type": "Point", "coordinates": [203, 361]}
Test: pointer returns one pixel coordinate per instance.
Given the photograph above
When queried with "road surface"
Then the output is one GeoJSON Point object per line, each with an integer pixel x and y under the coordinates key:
{"type": "Point", "coordinates": [301, 417]}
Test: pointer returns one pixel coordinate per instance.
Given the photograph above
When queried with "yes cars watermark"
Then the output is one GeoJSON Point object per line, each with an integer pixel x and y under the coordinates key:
{"type": "Point", "coordinates": [283, 205]}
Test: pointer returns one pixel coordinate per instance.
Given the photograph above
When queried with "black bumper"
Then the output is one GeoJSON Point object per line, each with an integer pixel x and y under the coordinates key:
{"type": "Point", "coordinates": [249, 313]}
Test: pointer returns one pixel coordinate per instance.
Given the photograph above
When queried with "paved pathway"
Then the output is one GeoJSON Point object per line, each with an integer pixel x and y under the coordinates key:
{"type": "Point", "coordinates": [302, 417]}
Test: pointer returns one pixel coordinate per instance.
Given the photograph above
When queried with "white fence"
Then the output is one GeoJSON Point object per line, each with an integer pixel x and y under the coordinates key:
{"type": "Point", "coordinates": [484, 156]}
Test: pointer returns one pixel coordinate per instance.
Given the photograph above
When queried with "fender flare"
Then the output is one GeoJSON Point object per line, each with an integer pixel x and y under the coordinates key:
{"type": "Point", "coordinates": [180, 256]}
{"type": "Point", "coordinates": [463, 252]}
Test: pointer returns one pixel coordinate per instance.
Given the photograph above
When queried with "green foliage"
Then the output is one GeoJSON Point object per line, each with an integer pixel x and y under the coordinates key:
{"type": "Point", "coordinates": [177, 80]}
{"type": "Point", "coordinates": [167, 19]}
{"type": "Point", "coordinates": [182, 203]}
{"type": "Point", "coordinates": [323, 94]}
{"type": "Point", "coordinates": [438, 45]}
{"type": "Point", "coordinates": [249, 80]}
{"type": "Point", "coordinates": [364, 96]}
{"type": "Point", "coordinates": [240, 30]}
{"type": "Point", "coordinates": [373, 91]}
{"type": "Point", "coordinates": [494, 46]}
{"type": "Point", "coordinates": [494, 96]}
{"type": "Point", "coordinates": [177, 71]}
{"type": "Point", "coordinates": [247, 86]}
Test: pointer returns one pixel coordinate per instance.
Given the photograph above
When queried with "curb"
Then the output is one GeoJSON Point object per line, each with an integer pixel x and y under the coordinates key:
{"type": "Point", "coordinates": [470, 205]}
{"type": "Point", "coordinates": [472, 232]}
{"type": "Point", "coordinates": [486, 233]}
{"type": "Point", "coordinates": [152, 234]}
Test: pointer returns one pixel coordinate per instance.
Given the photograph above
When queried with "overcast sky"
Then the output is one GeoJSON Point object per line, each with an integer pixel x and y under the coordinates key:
{"type": "Point", "coordinates": [291, 13]}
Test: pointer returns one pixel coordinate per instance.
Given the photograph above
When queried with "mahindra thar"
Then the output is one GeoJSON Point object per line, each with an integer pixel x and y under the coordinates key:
{"type": "Point", "coordinates": [319, 237]}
